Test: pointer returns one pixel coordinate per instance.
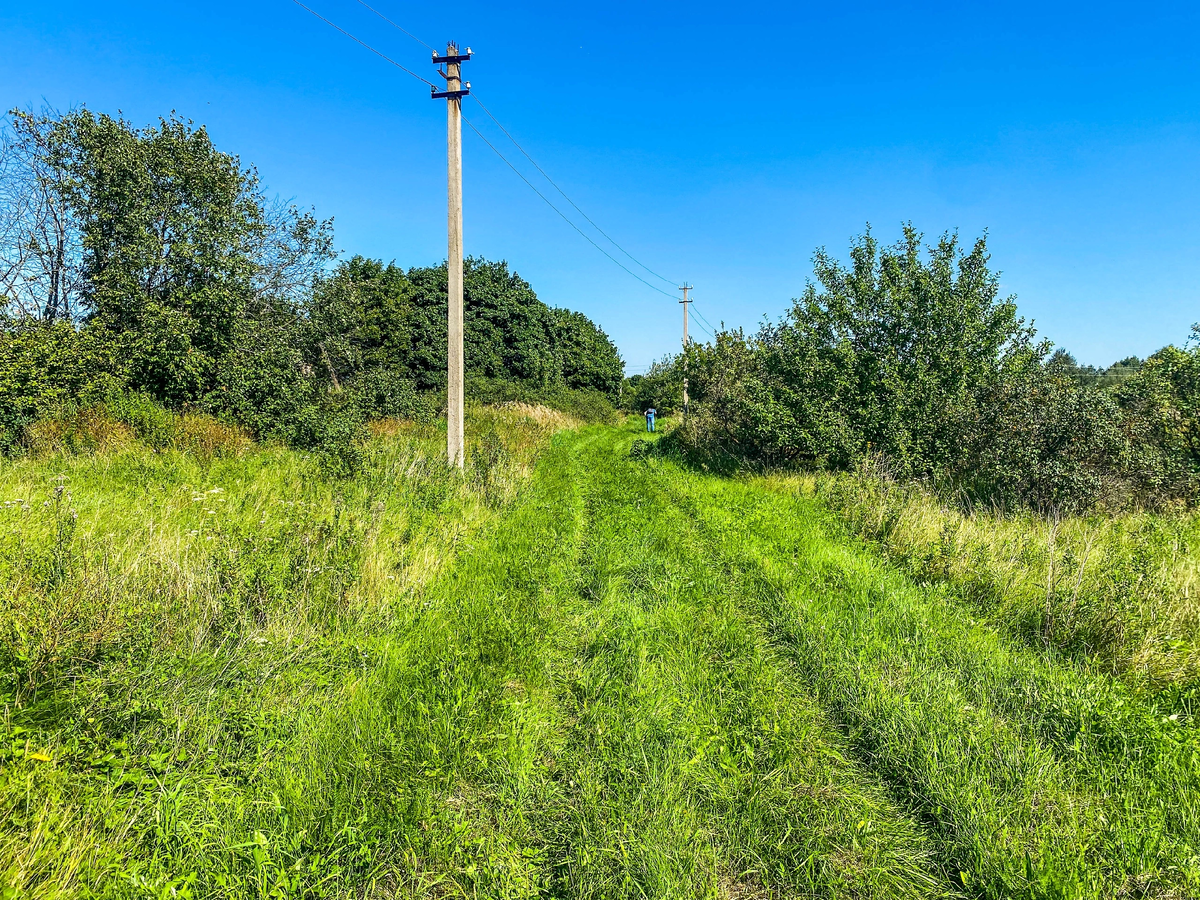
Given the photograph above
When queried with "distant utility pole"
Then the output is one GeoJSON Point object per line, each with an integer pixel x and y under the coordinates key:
{"type": "Point", "coordinates": [685, 301]}
{"type": "Point", "coordinates": [455, 91]}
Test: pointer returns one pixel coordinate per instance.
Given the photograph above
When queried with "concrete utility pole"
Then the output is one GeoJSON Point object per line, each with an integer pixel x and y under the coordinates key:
{"type": "Point", "coordinates": [685, 301]}
{"type": "Point", "coordinates": [455, 91]}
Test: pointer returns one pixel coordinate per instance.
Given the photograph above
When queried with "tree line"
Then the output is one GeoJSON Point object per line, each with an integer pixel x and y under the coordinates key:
{"type": "Point", "coordinates": [147, 261]}
{"type": "Point", "coordinates": [908, 357]}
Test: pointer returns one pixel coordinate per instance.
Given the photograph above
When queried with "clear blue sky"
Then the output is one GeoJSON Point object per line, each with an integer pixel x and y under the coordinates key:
{"type": "Point", "coordinates": [720, 143]}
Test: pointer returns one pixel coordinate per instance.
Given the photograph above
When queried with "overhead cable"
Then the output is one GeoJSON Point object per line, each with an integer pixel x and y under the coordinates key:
{"type": "Point", "coordinates": [702, 319]}
{"type": "Point", "coordinates": [394, 25]}
{"type": "Point", "coordinates": [525, 153]}
{"type": "Point", "coordinates": [564, 216]}
{"type": "Point", "coordinates": [364, 43]}
{"type": "Point", "coordinates": [705, 330]}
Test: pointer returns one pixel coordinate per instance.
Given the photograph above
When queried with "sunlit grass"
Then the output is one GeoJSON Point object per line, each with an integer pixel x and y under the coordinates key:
{"type": "Point", "coordinates": [1117, 591]}
{"type": "Point", "coordinates": [575, 670]}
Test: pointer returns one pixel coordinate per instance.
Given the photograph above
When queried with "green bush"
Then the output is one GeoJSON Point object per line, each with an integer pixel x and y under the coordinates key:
{"type": "Point", "coordinates": [382, 393]}
{"type": "Point", "coordinates": [262, 385]}
{"type": "Point", "coordinates": [335, 433]}
{"type": "Point", "coordinates": [44, 365]}
{"type": "Point", "coordinates": [913, 358]}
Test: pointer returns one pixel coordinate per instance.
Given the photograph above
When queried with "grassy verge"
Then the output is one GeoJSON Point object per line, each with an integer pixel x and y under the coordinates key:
{"type": "Point", "coordinates": [579, 671]}
{"type": "Point", "coordinates": [174, 626]}
{"type": "Point", "coordinates": [1117, 592]}
{"type": "Point", "coordinates": [1033, 779]}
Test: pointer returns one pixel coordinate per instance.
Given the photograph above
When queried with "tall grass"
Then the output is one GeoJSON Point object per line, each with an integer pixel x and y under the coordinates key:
{"type": "Point", "coordinates": [167, 613]}
{"type": "Point", "coordinates": [1118, 592]}
{"type": "Point", "coordinates": [573, 671]}
{"type": "Point", "coordinates": [1032, 778]}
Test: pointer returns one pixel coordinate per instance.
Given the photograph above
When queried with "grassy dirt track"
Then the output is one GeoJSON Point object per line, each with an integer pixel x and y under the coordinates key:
{"type": "Point", "coordinates": [621, 679]}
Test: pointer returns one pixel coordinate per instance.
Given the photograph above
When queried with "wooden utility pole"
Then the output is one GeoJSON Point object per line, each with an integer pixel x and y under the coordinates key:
{"type": "Point", "coordinates": [685, 301]}
{"type": "Point", "coordinates": [455, 91]}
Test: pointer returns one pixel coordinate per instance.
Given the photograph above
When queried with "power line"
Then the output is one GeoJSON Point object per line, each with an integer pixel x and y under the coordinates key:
{"type": "Point", "coordinates": [564, 193]}
{"type": "Point", "coordinates": [394, 25]}
{"type": "Point", "coordinates": [704, 330]}
{"type": "Point", "coordinates": [582, 233]}
{"type": "Point", "coordinates": [495, 150]}
{"type": "Point", "coordinates": [364, 43]}
{"type": "Point", "coordinates": [702, 319]}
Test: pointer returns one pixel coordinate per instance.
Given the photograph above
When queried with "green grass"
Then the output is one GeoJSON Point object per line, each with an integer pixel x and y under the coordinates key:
{"type": "Point", "coordinates": [576, 672]}
{"type": "Point", "coordinates": [1117, 593]}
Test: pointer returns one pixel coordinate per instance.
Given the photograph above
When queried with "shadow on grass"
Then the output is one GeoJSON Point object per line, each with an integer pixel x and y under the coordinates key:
{"type": "Point", "coordinates": [714, 461]}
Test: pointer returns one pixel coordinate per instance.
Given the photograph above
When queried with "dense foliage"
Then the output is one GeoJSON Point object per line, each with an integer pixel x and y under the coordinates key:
{"type": "Point", "coordinates": [912, 357]}
{"type": "Point", "coordinates": [148, 262]}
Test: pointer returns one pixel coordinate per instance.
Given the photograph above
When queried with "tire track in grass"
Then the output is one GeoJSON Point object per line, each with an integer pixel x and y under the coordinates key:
{"type": "Point", "coordinates": [437, 756]}
{"type": "Point", "coordinates": [695, 766]}
{"type": "Point", "coordinates": [969, 729]}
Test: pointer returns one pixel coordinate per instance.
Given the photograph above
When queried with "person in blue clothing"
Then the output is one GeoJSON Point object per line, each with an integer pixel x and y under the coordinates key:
{"type": "Point", "coordinates": [650, 414]}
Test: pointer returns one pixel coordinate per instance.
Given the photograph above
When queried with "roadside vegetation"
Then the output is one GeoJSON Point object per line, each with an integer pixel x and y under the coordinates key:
{"type": "Point", "coordinates": [1117, 591]}
{"type": "Point", "coordinates": [903, 609]}
{"type": "Point", "coordinates": [1055, 500]}
{"type": "Point", "coordinates": [910, 355]}
{"type": "Point", "coordinates": [144, 268]}
{"type": "Point", "coordinates": [607, 675]}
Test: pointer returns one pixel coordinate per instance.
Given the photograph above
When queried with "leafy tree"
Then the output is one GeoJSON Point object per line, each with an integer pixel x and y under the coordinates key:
{"type": "Point", "coordinates": [917, 359]}
{"type": "Point", "coordinates": [166, 243]}
{"type": "Point", "coordinates": [167, 222]}
{"type": "Point", "coordinates": [157, 265]}
{"type": "Point", "coordinates": [362, 319]}
{"type": "Point", "coordinates": [885, 355]}
{"type": "Point", "coordinates": [507, 331]}
{"type": "Point", "coordinates": [588, 358]}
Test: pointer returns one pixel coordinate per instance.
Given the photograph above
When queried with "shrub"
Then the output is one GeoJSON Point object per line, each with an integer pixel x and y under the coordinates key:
{"type": "Point", "coordinates": [381, 393]}
{"type": "Point", "coordinates": [262, 384]}
{"type": "Point", "coordinates": [917, 360]}
{"type": "Point", "coordinates": [335, 433]}
{"type": "Point", "coordinates": [45, 365]}
{"type": "Point", "coordinates": [1038, 439]}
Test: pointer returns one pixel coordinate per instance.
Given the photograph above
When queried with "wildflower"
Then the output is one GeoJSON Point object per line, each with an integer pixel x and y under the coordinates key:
{"type": "Point", "coordinates": [193, 531]}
